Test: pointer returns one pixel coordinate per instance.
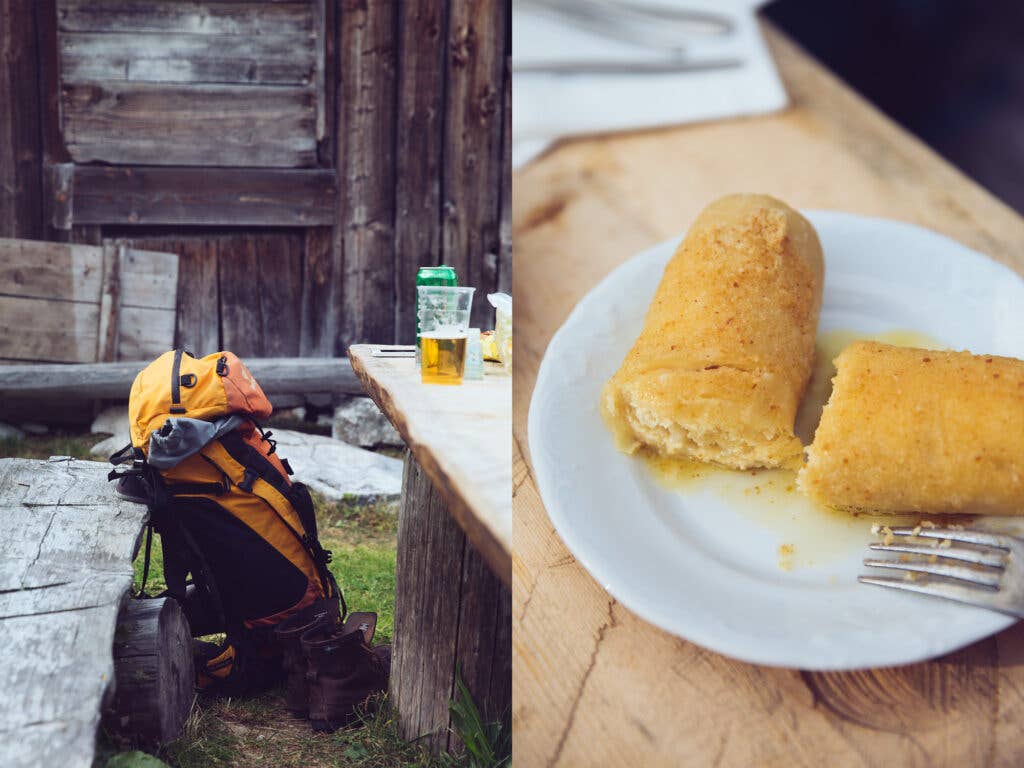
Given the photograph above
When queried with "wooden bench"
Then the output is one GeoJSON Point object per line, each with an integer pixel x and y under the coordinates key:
{"type": "Point", "coordinates": [452, 600]}
{"type": "Point", "coordinates": [66, 556]}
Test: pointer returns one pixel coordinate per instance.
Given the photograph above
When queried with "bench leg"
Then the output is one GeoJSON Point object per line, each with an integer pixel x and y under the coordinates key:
{"type": "Point", "coordinates": [451, 612]}
{"type": "Point", "coordinates": [154, 675]}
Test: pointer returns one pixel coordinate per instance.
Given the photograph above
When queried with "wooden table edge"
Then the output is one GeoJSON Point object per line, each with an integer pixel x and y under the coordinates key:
{"type": "Point", "coordinates": [482, 536]}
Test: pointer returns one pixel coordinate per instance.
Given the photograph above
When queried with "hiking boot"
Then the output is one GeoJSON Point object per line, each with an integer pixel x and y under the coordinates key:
{"type": "Point", "coordinates": [132, 488]}
{"type": "Point", "coordinates": [288, 635]}
{"type": "Point", "coordinates": [344, 671]}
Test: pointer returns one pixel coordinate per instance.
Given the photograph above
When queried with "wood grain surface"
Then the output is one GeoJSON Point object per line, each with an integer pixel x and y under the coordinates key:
{"type": "Point", "coordinates": [65, 565]}
{"type": "Point", "coordinates": [459, 435]}
{"type": "Point", "coordinates": [82, 303]}
{"type": "Point", "coordinates": [241, 197]}
{"type": "Point", "coordinates": [154, 674]}
{"type": "Point", "coordinates": [452, 617]}
{"type": "Point", "coordinates": [595, 685]}
{"type": "Point", "coordinates": [185, 83]}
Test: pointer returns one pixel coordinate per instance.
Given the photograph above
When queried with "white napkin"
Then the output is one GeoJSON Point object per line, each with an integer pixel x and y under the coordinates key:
{"type": "Point", "coordinates": [546, 107]}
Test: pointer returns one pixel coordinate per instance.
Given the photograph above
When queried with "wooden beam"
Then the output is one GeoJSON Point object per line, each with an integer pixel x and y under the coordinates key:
{"type": "Point", "coordinates": [419, 154]}
{"type": "Point", "coordinates": [287, 375]}
{"type": "Point", "coordinates": [181, 124]}
{"type": "Point", "coordinates": [244, 19]}
{"type": "Point", "coordinates": [477, 33]}
{"type": "Point", "coordinates": [366, 170]}
{"type": "Point", "coordinates": [20, 147]}
{"type": "Point", "coordinates": [244, 197]}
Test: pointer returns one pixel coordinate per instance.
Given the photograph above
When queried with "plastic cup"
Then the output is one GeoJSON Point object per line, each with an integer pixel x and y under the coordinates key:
{"type": "Point", "coordinates": [444, 320]}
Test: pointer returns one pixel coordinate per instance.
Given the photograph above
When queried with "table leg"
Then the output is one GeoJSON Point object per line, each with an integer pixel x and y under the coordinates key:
{"type": "Point", "coordinates": [451, 613]}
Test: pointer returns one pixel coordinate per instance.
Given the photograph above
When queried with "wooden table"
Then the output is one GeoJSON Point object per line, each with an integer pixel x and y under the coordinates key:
{"type": "Point", "coordinates": [452, 602]}
{"type": "Point", "coordinates": [65, 568]}
{"type": "Point", "coordinates": [595, 685]}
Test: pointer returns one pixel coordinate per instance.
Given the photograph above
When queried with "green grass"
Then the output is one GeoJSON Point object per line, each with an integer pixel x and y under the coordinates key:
{"type": "Point", "coordinates": [258, 731]}
{"type": "Point", "coordinates": [45, 446]}
{"type": "Point", "coordinates": [223, 733]}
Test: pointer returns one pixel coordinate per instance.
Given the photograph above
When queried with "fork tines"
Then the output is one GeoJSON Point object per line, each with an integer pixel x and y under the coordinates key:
{"type": "Point", "coordinates": [963, 565]}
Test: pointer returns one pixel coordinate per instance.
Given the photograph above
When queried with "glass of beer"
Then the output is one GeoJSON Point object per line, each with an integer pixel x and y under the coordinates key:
{"type": "Point", "coordinates": [444, 320]}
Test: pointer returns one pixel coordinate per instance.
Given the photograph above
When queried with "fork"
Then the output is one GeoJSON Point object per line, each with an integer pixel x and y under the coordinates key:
{"type": "Point", "coordinates": [974, 567]}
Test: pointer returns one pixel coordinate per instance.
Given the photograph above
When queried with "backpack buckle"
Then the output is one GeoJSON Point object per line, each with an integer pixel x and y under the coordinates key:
{"type": "Point", "coordinates": [222, 366]}
{"type": "Point", "coordinates": [247, 480]}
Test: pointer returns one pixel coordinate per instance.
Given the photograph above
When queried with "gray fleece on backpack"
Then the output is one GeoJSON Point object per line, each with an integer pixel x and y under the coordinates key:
{"type": "Point", "coordinates": [182, 437]}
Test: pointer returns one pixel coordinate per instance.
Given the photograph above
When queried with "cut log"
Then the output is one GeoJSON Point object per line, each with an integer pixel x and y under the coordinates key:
{"type": "Point", "coordinates": [154, 675]}
{"type": "Point", "coordinates": [277, 376]}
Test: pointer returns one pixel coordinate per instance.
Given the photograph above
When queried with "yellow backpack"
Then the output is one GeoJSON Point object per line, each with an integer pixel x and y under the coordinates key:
{"type": "Point", "coordinates": [227, 513]}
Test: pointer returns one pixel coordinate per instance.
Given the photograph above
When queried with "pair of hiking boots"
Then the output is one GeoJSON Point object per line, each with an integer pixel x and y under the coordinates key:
{"type": "Point", "coordinates": [332, 668]}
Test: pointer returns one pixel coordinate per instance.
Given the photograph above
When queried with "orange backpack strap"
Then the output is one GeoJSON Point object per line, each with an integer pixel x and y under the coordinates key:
{"type": "Point", "coordinates": [256, 466]}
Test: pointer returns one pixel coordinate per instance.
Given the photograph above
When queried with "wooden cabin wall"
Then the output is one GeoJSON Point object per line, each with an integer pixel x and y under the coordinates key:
{"type": "Point", "coordinates": [415, 126]}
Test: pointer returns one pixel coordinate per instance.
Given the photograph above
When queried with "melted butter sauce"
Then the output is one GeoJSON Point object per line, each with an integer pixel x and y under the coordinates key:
{"type": "Point", "coordinates": [812, 534]}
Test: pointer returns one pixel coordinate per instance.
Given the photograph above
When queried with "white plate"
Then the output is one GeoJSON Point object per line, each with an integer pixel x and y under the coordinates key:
{"type": "Point", "coordinates": [703, 562]}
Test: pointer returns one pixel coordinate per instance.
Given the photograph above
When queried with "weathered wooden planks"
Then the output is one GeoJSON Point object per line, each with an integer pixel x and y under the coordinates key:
{"type": "Point", "coordinates": [164, 57]}
{"type": "Point", "coordinates": [385, 75]}
{"type": "Point", "coordinates": [20, 146]}
{"type": "Point", "coordinates": [364, 232]}
{"type": "Point", "coordinates": [279, 266]}
{"type": "Point", "coordinates": [246, 197]}
{"type": "Point", "coordinates": [65, 565]}
{"type": "Point", "coordinates": [277, 376]}
{"type": "Point", "coordinates": [34, 269]}
{"type": "Point", "coordinates": [78, 303]}
{"type": "Point", "coordinates": [165, 124]}
{"type": "Point", "coordinates": [184, 83]}
{"type": "Point", "coordinates": [193, 18]}
{"type": "Point", "coordinates": [419, 155]}
{"type": "Point", "coordinates": [38, 329]}
{"type": "Point", "coordinates": [321, 294]}
{"type": "Point", "coordinates": [472, 169]}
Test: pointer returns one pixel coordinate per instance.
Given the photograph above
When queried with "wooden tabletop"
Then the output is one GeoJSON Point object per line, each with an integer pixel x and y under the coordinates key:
{"type": "Point", "coordinates": [595, 685]}
{"type": "Point", "coordinates": [460, 436]}
{"type": "Point", "coordinates": [65, 565]}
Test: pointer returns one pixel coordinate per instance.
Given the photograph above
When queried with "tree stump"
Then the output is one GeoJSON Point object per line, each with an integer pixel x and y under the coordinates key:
{"type": "Point", "coordinates": [451, 614]}
{"type": "Point", "coordinates": [154, 677]}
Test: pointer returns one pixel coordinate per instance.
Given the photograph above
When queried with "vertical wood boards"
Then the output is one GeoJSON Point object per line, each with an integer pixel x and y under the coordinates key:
{"type": "Point", "coordinates": [475, 66]}
{"type": "Point", "coordinates": [65, 565]}
{"type": "Point", "coordinates": [505, 227]}
{"type": "Point", "coordinates": [183, 83]}
{"type": "Point", "coordinates": [21, 198]}
{"type": "Point", "coordinates": [279, 265]}
{"type": "Point", "coordinates": [364, 231]}
{"type": "Point", "coordinates": [451, 613]}
{"type": "Point", "coordinates": [321, 294]}
{"type": "Point", "coordinates": [412, 100]}
{"type": "Point", "coordinates": [197, 325]}
{"type": "Point", "coordinates": [77, 303]}
{"type": "Point", "coordinates": [239, 291]}
{"type": "Point", "coordinates": [419, 152]}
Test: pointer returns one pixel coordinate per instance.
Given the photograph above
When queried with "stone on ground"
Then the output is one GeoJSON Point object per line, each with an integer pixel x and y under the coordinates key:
{"type": "Point", "coordinates": [338, 470]}
{"type": "Point", "coordinates": [114, 422]}
{"type": "Point", "coordinates": [10, 432]}
{"type": "Point", "coordinates": [358, 421]}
